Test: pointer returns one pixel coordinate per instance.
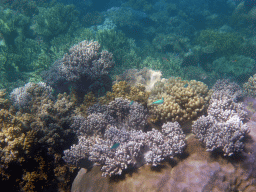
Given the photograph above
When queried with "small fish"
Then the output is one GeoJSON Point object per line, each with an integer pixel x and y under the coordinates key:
{"type": "Point", "coordinates": [131, 103]}
{"type": "Point", "coordinates": [165, 59]}
{"type": "Point", "coordinates": [203, 76]}
{"type": "Point", "coordinates": [115, 145]}
{"type": "Point", "coordinates": [186, 85]}
{"type": "Point", "coordinates": [161, 101]}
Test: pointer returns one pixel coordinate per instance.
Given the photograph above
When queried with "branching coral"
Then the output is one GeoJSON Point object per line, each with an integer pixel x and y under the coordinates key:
{"type": "Point", "coordinates": [235, 65]}
{"type": "Point", "coordinates": [15, 140]}
{"type": "Point", "coordinates": [122, 89]}
{"type": "Point", "coordinates": [48, 118]}
{"type": "Point", "coordinates": [23, 97]}
{"type": "Point", "coordinates": [223, 43]}
{"type": "Point", "coordinates": [55, 20]}
{"type": "Point", "coordinates": [84, 68]}
{"type": "Point", "coordinates": [250, 86]}
{"type": "Point", "coordinates": [29, 140]}
{"type": "Point", "coordinates": [4, 103]}
{"type": "Point", "coordinates": [120, 112]}
{"type": "Point", "coordinates": [183, 100]}
{"type": "Point", "coordinates": [223, 128]}
{"type": "Point", "coordinates": [122, 123]}
{"type": "Point", "coordinates": [135, 148]}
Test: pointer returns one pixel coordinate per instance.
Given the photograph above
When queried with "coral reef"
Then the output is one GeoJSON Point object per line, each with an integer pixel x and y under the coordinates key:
{"type": "Point", "coordinates": [125, 16]}
{"type": "Point", "coordinates": [22, 97]}
{"type": "Point", "coordinates": [56, 20]}
{"type": "Point", "coordinates": [16, 43]}
{"type": "Point", "coordinates": [223, 129]}
{"type": "Point", "coordinates": [125, 52]}
{"type": "Point", "coordinates": [224, 43]}
{"type": "Point", "coordinates": [122, 89]}
{"type": "Point", "coordinates": [120, 112]}
{"type": "Point", "coordinates": [49, 118]}
{"type": "Point", "coordinates": [171, 43]}
{"type": "Point", "coordinates": [85, 59]}
{"type": "Point", "coordinates": [135, 148]}
{"type": "Point", "coordinates": [183, 100]}
{"type": "Point", "coordinates": [16, 139]}
{"type": "Point", "coordinates": [4, 103]}
{"type": "Point", "coordinates": [84, 67]}
{"type": "Point", "coordinates": [33, 134]}
{"type": "Point", "coordinates": [250, 86]}
{"type": "Point", "coordinates": [237, 66]}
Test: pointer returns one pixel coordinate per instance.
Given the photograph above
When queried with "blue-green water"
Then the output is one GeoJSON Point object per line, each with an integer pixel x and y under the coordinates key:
{"type": "Point", "coordinates": [59, 58]}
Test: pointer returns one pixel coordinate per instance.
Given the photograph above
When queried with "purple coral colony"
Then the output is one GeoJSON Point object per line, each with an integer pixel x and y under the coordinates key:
{"type": "Point", "coordinates": [113, 88]}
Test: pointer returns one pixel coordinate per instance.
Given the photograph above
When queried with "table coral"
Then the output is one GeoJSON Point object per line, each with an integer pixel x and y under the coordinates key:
{"type": "Point", "coordinates": [183, 100]}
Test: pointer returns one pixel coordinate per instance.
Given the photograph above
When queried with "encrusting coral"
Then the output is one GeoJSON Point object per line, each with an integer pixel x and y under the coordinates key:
{"type": "Point", "coordinates": [182, 100]}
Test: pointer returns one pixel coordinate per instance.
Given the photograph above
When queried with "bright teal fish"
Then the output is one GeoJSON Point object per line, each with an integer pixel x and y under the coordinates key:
{"type": "Point", "coordinates": [131, 102]}
{"type": "Point", "coordinates": [186, 85]}
{"type": "Point", "coordinates": [115, 145]}
{"type": "Point", "coordinates": [161, 101]}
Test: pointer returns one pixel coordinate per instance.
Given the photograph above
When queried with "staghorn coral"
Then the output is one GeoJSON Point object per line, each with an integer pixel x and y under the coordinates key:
{"type": "Point", "coordinates": [250, 86]}
{"type": "Point", "coordinates": [183, 100]}
{"type": "Point", "coordinates": [223, 128]}
{"type": "Point", "coordinates": [136, 148]}
{"type": "Point", "coordinates": [122, 89]}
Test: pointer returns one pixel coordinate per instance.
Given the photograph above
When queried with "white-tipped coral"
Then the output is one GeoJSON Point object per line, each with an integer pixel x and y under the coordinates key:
{"type": "Point", "coordinates": [134, 148]}
{"type": "Point", "coordinates": [223, 128]}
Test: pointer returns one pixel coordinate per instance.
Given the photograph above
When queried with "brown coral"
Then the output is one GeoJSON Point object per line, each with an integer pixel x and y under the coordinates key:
{"type": "Point", "coordinates": [122, 89]}
{"type": "Point", "coordinates": [4, 103]}
{"type": "Point", "coordinates": [250, 86]}
{"type": "Point", "coordinates": [183, 100]}
{"type": "Point", "coordinates": [14, 140]}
